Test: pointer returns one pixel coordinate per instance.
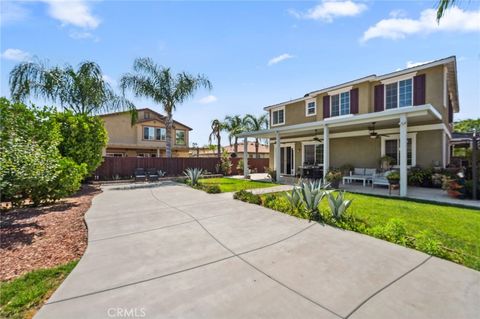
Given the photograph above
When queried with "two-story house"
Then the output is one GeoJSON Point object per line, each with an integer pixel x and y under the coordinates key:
{"type": "Point", "coordinates": [360, 121]}
{"type": "Point", "coordinates": [146, 137]}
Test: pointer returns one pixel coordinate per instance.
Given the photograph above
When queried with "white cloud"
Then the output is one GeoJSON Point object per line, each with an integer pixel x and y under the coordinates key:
{"type": "Point", "coordinates": [455, 19]}
{"type": "Point", "coordinates": [12, 12]}
{"type": "Point", "coordinates": [280, 58]}
{"type": "Point", "coordinates": [73, 12]}
{"type": "Point", "coordinates": [208, 99]}
{"type": "Point", "coordinates": [411, 64]}
{"type": "Point", "coordinates": [16, 55]}
{"type": "Point", "coordinates": [330, 9]}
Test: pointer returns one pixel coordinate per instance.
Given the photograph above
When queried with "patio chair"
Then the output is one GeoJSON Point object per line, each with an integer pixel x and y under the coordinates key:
{"type": "Point", "coordinates": [152, 174]}
{"type": "Point", "coordinates": [140, 175]}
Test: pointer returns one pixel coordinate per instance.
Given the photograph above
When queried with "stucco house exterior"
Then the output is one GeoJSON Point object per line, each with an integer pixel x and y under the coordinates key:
{"type": "Point", "coordinates": [410, 109]}
{"type": "Point", "coordinates": [146, 137]}
{"type": "Point", "coordinates": [263, 150]}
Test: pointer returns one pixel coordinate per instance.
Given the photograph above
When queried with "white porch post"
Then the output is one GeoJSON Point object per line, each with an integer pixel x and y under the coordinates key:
{"type": "Point", "coordinates": [326, 150]}
{"type": "Point", "coordinates": [277, 156]}
{"type": "Point", "coordinates": [403, 155]}
{"type": "Point", "coordinates": [245, 158]}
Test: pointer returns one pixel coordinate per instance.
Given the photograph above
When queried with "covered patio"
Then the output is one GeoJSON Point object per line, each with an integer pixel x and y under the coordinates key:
{"type": "Point", "coordinates": [402, 125]}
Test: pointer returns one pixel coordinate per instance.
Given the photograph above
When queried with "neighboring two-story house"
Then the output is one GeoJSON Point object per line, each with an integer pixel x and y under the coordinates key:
{"type": "Point", "coordinates": [360, 121]}
{"type": "Point", "coordinates": [146, 137]}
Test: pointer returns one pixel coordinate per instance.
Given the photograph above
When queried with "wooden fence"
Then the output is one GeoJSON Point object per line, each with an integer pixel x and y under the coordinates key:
{"type": "Point", "coordinates": [124, 167]}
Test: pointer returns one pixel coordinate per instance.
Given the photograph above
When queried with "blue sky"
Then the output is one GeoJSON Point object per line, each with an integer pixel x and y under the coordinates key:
{"type": "Point", "coordinates": [254, 53]}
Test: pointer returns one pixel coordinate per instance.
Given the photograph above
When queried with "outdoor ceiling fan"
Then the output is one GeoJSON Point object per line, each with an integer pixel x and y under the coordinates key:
{"type": "Point", "coordinates": [373, 134]}
{"type": "Point", "coordinates": [315, 138]}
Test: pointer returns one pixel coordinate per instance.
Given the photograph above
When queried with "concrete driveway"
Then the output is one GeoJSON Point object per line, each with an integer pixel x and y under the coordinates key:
{"type": "Point", "coordinates": [174, 252]}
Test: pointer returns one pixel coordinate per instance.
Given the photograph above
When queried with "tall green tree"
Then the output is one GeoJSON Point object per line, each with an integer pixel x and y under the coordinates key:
{"type": "Point", "coordinates": [467, 126]}
{"type": "Point", "coordinates": [82, 91]}
{"type": "Point", "coordinates": [254, 123]}
{"type": "Point", "coordinates": [217, 127]}
{"type": "Point", "coordinates": [234, 125]}
{"type": "Point", "coordinates": [153, 81]}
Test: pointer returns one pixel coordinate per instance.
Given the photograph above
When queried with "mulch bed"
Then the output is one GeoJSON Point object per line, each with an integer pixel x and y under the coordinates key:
{"type": "Point", "coordinates": [44, 237]}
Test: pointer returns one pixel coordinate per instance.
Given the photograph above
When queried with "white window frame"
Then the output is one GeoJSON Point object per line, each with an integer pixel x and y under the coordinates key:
{"type": "Point", "coordinates": [339, 93]}
{"type": "Point", "coordinates": [314, 101]}
{"type": "Point", "coordinates": [314, 154]}
{"type": "Point", "coordinates": [143, 133]}
{"type": "Point", "coordinates": [412, 136]}
{"type": "Point", "coordinates": [398, 93]}
{"type": "Point", "coordinates": [184, 137]}
{"type": "Point", "coordinates": [165, 135]}
{"type": "Point", "coordinates": [113, 154]}
{"type": "Point", "coordinates": [275, 110]}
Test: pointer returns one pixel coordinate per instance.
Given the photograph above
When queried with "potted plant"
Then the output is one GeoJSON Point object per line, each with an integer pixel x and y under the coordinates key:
{"type": "Point", "coordinates": [386, 162]}
{"type": "Point", "coordinates": [394, 178]}
{"type": "Point", "coordinates": [334, 177]}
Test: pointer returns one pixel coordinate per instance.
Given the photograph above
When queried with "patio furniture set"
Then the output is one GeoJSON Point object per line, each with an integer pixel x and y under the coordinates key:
{"type": "Point", "coordinates": [311, 171]}
{"type": "Point", "coordinates": [151, 174]}
{"type": "Point", "coordinates": [368, 175]}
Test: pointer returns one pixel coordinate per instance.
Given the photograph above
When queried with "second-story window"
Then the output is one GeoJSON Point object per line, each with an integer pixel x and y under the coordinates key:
{"type": "Point", "coordinates": [278, 117]}
{"type": "Point", "coordinates": [398, 94]}
{"type": "Point", "coordinates": [148, 133]}
{"type": "Point", "coordinates": [311, 108]}
{"type": "Point", "coordinates": [146, 115]}
{"type": "Point", "coordinates": [161, 134]}
{"type": "Point", "coordinates": [340, 104]}
{"type": "Point", "coordinates": [180, 137]}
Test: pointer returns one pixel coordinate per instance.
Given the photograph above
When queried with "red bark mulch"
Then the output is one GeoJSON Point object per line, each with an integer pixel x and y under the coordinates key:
{"type": "Point", "coordinates": [44, 237]}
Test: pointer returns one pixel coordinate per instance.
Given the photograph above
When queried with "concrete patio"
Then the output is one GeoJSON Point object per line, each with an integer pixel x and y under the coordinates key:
{"type": "Point", "coordinates": [171, 251]}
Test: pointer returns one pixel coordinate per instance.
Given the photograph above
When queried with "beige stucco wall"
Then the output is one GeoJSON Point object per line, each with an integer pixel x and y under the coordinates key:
{"type": "Point", "coordinates": [295, 112]}
{"type": "Point", "coordinates": [362, 151]}
{"type": "Point", "coordinates": [119, 128]}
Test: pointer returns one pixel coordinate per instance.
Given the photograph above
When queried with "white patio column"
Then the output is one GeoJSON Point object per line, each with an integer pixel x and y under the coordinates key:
{"type": "Point", "coordinates": [326, 150]}
{"type": "Point", "coordinates": [403, 155]}
{"type": "Point", "coordinates": [245, 158]}
{"type": "Point", "coordinates": [277, 162]}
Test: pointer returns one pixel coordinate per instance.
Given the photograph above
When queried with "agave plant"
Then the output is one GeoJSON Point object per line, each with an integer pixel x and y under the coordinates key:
{"type": "Point", "coordinates": [311, 193]}
{"type": "Point", "coordinates": [294, 199]}
{"type": "Point", "coordinates": [193, 175]}
{"type": "Point", "coordinates": [338, 204]}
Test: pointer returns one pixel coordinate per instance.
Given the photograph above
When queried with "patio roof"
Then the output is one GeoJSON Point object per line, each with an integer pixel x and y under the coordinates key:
{"type": "Point", "coordinates": [386, 119]}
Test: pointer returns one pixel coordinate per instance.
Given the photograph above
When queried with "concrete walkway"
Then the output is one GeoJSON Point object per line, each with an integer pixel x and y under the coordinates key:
{"type": "Point", "coordinates": [174, 252]}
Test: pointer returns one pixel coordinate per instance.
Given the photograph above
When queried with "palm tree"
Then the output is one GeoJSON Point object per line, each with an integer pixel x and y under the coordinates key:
{"type": "Point", "coordinates": [82, 91]}
{"type": "Point", "coordinates": [442, 7]}
{"type": "Point", "coordinates": [254, 123]}
{"type": "Point", "coordinates": [217, 128]}
{"type": "Point", "coordinates": [234, 125]}
{"type": "Point", "coordinates": [153, 81]}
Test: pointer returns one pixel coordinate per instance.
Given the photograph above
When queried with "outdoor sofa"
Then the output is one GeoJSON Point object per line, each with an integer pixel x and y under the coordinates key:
{"type": "Point", "coordinates": [364, 175]}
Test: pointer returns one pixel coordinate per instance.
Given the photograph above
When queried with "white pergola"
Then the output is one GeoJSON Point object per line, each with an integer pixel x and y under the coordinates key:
{"type": "Point", "coordinates": [399, 120]}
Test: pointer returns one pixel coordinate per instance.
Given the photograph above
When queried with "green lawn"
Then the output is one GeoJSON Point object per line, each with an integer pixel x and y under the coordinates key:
{"type": "Point", "coordinates": [458, 229]}
{"type": "Point", "coordinates": [21, 297]}
{"type": "Point", "coordinates": [234, 185]}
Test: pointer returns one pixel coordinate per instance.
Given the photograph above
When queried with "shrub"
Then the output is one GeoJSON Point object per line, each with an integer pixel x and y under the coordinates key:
{"type": "Point", "coordinates": [83, 138]}
{"type": "Point", "coordinates": [193, 175]}
{"type": "Point", "coordinates": [394, 231]}
{"type": "Point", "coordinates": [418, 176]}
{"type": "Point", "coordinates": [425, 242]}
{"type": "Point", "coordinates": [31, 166]}
{"type": "Point", "coordinates": [338, 205]}
{"type": "Point", "coordinates": [279, 203]}
{"type": "Point", "coordinates": [212, 189]}
{"type": "Point", "coordinates": [334, 177]}
{"type": "Point", "coordinates": [248, 197]}
{"type": "Point", "coordinates": [225, 163]}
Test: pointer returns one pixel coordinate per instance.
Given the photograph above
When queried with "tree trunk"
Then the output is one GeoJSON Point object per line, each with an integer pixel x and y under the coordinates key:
{"type": "Point", "coordinates": [168, 126]}
{"type": "Point", "coordinates": [235, 145]}
{"type": "Point", "coordinates": [219, 146]}
{"type": "Point", "coordinates": [256, 148]}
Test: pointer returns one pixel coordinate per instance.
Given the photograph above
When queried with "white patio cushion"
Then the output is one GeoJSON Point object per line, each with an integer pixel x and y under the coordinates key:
{"type": "Point", "coordinates": [359, 171]}
{"type": "Point", "coordinates": [370, 171]}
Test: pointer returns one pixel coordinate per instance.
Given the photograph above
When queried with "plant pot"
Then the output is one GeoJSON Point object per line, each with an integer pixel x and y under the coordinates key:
{"type": "Point", "coordinates": [335, 184]}
{"type": "Point", "coordinates": [394, 182]}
